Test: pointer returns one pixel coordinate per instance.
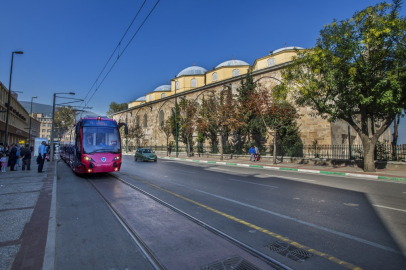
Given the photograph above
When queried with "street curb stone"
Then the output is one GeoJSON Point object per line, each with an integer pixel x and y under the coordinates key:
{"type": "Point", "coordinates": [369, 176]}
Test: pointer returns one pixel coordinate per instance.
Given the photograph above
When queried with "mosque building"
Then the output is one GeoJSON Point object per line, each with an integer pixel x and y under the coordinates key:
{"type": "Point", "coordinates": [151, 110]}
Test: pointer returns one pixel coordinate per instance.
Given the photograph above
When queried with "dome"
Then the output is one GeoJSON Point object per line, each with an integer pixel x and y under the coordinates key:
{"type": "Point", "coordinates": [144, 98]}
{"type": "Point", "coordinates": [233, 63]}
{"type": "Point", "coordinates": [288, 48]}
{"type": "Point", "coordinates": [193, 70]}
{"type": "Point", "coordinates": [162, 88]}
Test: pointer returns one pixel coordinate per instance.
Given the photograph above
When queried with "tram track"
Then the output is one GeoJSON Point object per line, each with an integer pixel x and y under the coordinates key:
{"type": "Point", "coordinates": [137, 240]}
{"type": "Point", "coordinates": [146, 250]}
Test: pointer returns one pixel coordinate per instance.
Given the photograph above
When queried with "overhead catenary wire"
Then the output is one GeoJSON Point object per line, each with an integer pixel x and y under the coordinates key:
{"type": "Point", "coordinates": [118, 57]}
{"type": "Point", "coordinates": [119, 54]}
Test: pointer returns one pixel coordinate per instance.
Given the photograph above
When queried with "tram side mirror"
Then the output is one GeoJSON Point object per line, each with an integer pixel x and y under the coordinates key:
{"type": "Point", "coordinates": [77, 129]}
{"type": "Point", "coordinates": [125, 127]}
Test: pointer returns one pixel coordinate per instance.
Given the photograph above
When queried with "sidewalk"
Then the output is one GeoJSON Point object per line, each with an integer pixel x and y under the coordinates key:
{"type": "Point", "coordinates": [25, 207]}
{"type": "Point", "coordinates": [384, 174]}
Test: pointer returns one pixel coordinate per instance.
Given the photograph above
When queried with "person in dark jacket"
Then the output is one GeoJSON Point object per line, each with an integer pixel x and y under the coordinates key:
{"type": "Point", "coordinates": [26, 156]}
{"type": "Point", "coordinates": [12, 158]}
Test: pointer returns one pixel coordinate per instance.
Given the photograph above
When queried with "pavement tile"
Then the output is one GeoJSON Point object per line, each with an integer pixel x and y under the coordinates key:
{"type": "Point", "coordinates": [7, 255]}
{"type": "Point", "coordinates": [21, 187]}
{"type": "Point", "coordinates": [12, 223]}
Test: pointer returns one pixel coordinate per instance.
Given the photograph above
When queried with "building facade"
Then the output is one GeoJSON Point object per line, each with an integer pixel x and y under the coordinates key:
{"type": "Point", "coordinates": [18, 122]}
{"type": "Point", "coordinates": [193, 82]}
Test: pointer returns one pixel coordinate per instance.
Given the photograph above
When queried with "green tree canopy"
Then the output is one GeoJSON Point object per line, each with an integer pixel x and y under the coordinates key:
{"type": "Point", "coordinates": [115, 107]}
{"type": "Point", "coordinates": [356, 73]}
{"type": "Point", "coordinates": [64, 118]}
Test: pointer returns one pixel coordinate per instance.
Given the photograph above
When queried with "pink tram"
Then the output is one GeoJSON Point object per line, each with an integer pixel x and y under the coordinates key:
{"type": "Point", "coordinates": [93, 145]}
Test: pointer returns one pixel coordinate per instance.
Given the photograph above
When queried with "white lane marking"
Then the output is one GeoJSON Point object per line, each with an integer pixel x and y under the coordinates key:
{"type": "Point", "coordinates": [355, 238]}
{"type": "Point", "coordinates": [389, 208]}
{"type": "Point", "coordinates": [183, 171]}
{"type": "Point", "coordinates": [290, 178]}
{"type": "Point", "coordinates": [252, 183]}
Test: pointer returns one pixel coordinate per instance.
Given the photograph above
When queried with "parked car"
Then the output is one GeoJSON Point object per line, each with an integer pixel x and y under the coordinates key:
{"type": "Point", "coordinates": [145, 154]}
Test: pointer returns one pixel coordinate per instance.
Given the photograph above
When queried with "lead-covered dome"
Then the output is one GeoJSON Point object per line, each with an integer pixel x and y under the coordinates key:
{"type": "Point", "coordinates": [288, 48]}
{"type": "Point", "coordinates": [162, 88]}
{"type": "Point", "coordinates": [193, 70]}
{"type": "Point", "coordinates": [231, 63]}
{"type": "Point", "coordinates": [144, 98]}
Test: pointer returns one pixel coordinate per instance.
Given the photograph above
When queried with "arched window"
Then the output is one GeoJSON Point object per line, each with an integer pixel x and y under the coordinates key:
{"type": "Point", "coordinates": [161, 118]}
{"type": "Point", "coordinates": [137, 120]}
{"type": "Point", "coordinates": [145, 120]}
{"type": "Point", "coordinates": [163, 95]}
{"type": "Point", "coordinates": [271, 62]}
{"type": "Point", "coordinates": [236, 72]}
{"type": "Point", "coordinates": [176, 85]}
{"type": "Point", "coordinates": [193, 83]}
{"type": "Point", "coordinates": [214, 77]}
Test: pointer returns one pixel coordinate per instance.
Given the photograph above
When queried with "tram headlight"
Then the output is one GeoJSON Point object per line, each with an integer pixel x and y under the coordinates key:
{"type": "Point", "coordinates": [116, 158]}
{"type": "Point", "coordinates": [88, 158]}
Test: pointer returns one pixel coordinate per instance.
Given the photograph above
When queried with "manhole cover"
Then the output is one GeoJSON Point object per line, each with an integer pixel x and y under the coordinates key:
{"type": "Point", "coordinates": [232, 263]}
{"type": "Point", "coordinates": [291, 252]}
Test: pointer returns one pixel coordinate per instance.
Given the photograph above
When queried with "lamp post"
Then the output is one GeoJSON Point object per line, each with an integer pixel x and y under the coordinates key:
{"type": "Point", "coordinates": [51, 158]}
{"type": "Point", "coordinates": [29, 128]}
{"type": "Point", "coordinates": [9, 98]}
{"type": "Point", "coordinates": [176, 122]}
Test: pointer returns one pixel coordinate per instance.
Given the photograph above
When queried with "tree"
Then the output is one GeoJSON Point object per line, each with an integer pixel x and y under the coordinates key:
{"type": "Point", "coordinates": [64, 118]}
{"type": "Point", "coordinates": [222, 113]}
{"type": "Point", "coordinates": [115, 107]}
{"type": "Point", "coordinates": [253, 125]}
{"type": "Point", "coordinates": [278, 116]}
{"type": "Point", "coordinates": [137, 133]}
{"type": "Point", "coordinates": [166, 129]}
{"type": "Point", "coordinates": [188, 117]}
{"type": "Point", "coordinates": [356, 73]}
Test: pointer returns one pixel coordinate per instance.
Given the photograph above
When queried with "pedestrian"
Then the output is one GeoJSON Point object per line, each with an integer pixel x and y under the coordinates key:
{"type": "Point", "coordinates": [256, 153]}
{"type": "Point", "coordinates": [169, 150]}
{"type": "Point", "coordinates": [12, 157]}
{"type": "Point", "coordinates": [26, 157]}
{"type": "Point", "coordinates": [42, 151]}
{"type": "Point", "coordinates": [17, 146]}
{"type": "Point", "coordinates": [3, 161]}
{"type": "Point", "coordinates": [252, 152]}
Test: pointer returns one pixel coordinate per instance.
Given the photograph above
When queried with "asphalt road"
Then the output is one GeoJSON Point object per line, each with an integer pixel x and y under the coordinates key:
{"type": "Point", "coordinates": [333, 215]}
{"type": "Point", "coordinates": [343, 222]}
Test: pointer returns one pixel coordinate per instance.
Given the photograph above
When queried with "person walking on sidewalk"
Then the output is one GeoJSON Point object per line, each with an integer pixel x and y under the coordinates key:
{"type": "Point", "coordinates": [26, 157]}
{"type": "Point", "coordinates": [3, 161]}
{"type": "Point", "coordinates": [12, 157]}
{"type": "Point", "coordinates": [42, 151]}
{"type": "Point", "coordinates": [256, 157]}
{"type": "Point", "coordinates": [252, 152]}
{"type": "Point", "coordinates": [17, 146]}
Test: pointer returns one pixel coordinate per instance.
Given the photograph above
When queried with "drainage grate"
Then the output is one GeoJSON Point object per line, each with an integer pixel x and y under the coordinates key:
{"type": "Point", "coordinates": [291, 252]}
{"type": "Point", "coordinates": [234, 263]}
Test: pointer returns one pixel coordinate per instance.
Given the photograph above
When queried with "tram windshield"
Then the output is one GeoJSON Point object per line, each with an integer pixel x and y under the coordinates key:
{"type": "Point", "coordinates": [101, 140]}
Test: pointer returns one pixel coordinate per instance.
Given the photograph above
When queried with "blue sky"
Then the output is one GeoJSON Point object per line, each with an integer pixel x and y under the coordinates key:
{"type": "Point", "coordinates": [66, 43]}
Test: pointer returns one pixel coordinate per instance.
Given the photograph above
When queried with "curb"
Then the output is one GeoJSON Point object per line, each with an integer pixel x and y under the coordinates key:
{"type": "Point", "coordinates": [358, 175]}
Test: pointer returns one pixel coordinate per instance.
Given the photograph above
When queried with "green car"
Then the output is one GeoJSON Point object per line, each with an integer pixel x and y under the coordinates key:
{"type": "Point", "coordinates": [145, 154]}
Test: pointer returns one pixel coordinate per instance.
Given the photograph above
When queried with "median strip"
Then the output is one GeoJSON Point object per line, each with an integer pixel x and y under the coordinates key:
{"type": "Point", "coordinates": [358, 175]}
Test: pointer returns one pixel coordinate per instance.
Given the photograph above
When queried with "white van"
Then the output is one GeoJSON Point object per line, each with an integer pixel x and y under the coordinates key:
{"type": "Point", "coordinates": [37, 143]}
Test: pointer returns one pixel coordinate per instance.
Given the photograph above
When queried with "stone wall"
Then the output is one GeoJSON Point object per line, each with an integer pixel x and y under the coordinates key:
{"type": "Point", "coordinates": [311, 128]}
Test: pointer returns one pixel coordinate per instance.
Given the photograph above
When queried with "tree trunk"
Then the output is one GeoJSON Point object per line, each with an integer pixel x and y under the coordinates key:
{"type": "Point", "coordinates": [221, 147]}
{"type": "Point", "coordinates": [187, 148]}
{"type": "Point", "coordinates": [369, 148]}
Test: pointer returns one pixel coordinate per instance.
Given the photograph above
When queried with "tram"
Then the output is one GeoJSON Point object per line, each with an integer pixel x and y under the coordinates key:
{"type": "Point", "coordinates": [93, 145]}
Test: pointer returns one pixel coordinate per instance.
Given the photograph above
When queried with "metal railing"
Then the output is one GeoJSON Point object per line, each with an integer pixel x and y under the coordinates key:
{"type": "Point", "coordinates": [383, 151]}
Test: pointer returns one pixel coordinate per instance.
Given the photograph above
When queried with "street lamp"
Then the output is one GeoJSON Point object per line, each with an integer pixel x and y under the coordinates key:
{"type": "Point", "coordinates": [9, 98]}
{"type": "Point", "coordinates": [51, 158]}
{"type": "Point", "coordinates": [29, 129]}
